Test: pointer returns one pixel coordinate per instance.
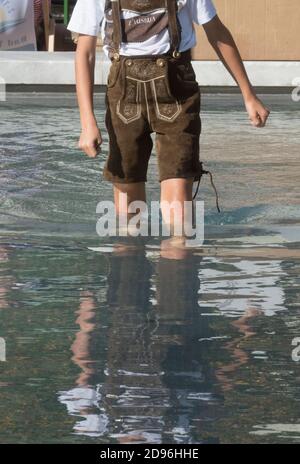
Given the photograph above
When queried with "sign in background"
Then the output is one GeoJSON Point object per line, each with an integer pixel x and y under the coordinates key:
{"type": "Point", "coordinates": [17, 25]}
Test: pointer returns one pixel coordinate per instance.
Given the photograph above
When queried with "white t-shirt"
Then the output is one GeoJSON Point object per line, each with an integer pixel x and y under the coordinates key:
{"type": "Point", "coordinates": [89, 18]}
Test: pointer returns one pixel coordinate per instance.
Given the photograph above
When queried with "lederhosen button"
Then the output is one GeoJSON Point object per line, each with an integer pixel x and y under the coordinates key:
{"type": "Point", "coordinates": [160, 62]}
{"type": "Point", "coordinates": [176, 54]}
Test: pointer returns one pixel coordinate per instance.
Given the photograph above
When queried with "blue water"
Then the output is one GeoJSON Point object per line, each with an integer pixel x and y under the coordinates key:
{"type": "Point", "coordinates": [138, 343]}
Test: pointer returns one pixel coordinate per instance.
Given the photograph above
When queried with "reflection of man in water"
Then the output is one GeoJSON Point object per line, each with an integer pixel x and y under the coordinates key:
{"type": "Point", "coordinates": [156, 381]}
{"type": "Point", "coordinates": [160, 380]}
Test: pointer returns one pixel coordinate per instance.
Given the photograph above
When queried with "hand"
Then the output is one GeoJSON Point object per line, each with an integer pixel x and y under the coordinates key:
{"type": "Point", "coordinates": [258, 113]}
{"type": "Point", "coordinates": [90, 141]}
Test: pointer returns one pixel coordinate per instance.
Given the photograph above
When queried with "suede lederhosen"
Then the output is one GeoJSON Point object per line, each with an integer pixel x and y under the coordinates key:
{"type": "Point", "coordinates": [150, 94]}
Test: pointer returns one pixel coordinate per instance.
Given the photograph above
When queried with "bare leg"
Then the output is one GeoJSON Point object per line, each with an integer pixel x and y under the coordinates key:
{"type": "Point", "coordinates": [135, 192]}
{"type": "Point", "coordinates": [179, 191]}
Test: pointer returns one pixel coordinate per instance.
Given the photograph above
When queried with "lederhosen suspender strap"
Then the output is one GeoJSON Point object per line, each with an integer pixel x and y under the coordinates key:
{"type": "Point", "coordinates": [117, 28]}
{"type": "Point", "coordinates": [174, 28]}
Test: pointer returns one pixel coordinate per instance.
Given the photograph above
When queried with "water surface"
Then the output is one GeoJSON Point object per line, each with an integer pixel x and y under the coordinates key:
{"type": "Point", "coordinates": [128, 345]}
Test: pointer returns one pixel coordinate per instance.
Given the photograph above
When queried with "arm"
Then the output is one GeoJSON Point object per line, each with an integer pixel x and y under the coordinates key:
{"type": "Point", "coordinates": [223, 43]}
{"type": "Point", "coordinates": [90, 138]}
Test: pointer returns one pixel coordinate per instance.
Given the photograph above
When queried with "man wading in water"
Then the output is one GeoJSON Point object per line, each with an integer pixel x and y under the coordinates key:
{"type": "Point", "coordinates": [151, 89]}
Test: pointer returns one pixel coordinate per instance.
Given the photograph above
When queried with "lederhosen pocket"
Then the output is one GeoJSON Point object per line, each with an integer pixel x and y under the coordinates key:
{"type": "Point", "coordinates": [113, 74]}
{"type": "Point", "coordinates": [129, 106]}
{"type": "Point", "coordinates": [183, 83]}
{"type": "Point", "coordinates": [167, 106]}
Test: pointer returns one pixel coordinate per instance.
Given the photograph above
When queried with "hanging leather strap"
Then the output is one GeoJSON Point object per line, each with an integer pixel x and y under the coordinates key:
{"type": "Point", "coordinates": [203, 171]}
{"type": "Point", "coordinates": [117, 29]}
{"type": "Point", "coordinates": [174, 27]}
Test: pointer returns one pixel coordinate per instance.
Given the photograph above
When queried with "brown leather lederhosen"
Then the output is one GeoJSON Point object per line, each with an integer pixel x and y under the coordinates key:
{"type": "Point", "coordinates": [154, 93]}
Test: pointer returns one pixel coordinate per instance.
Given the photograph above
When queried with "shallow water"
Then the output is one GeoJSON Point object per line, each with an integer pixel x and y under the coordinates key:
{"type": "Point", "coordinates": [127, 345]}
